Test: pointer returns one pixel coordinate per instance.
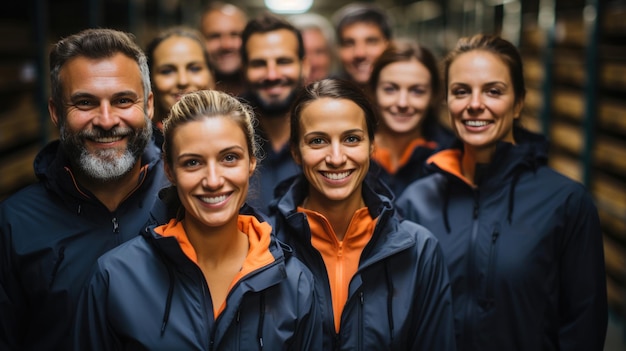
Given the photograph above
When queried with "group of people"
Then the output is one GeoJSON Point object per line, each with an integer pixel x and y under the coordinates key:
{"type": "Point", "coordinates": [215, 191]}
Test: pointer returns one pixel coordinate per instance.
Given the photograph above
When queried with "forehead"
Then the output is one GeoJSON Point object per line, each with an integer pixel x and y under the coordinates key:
{"type": "Point", "coordinates": [479, 65]}
{"type": "Point", "coordinates": [280, 42]}
{"type": "Point", "coordinates": [411, 71]}
{"type": "Point", "coordinates": [178, 47]}
{"type": "Point", "coordinates": [330, 115]}
{"type": "Point", "coordinates": [223, 21]}
{"type": "Point", "coordinates": [216, 132]}
{"type": "Point", "coordinates": [313, 35]}
{"type": "Point", "coordinates": [358, 30]}
{"type": "Point", "coordinates": [101, 76]}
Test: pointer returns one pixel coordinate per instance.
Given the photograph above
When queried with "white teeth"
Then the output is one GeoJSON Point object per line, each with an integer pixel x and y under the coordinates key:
{"type": "Point", "coordinates": [336, 176]}
{"type": "Point", "coordinates": [213, 200]}
{"type": "Point", "coordinates": [107, 140]}
{"type": "Point", "coordinates": [476, 123]}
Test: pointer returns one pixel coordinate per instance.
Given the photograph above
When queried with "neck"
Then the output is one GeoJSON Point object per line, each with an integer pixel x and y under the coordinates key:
{"type": "Point", "coordinates": [396, 143]}
{"type": "Point", "coordinates": [215, 245]}
{"type": "Point", "coordinates": [112, 193]}
{"type": "Point", "coordinates": [338, 213]}
{"type": "Point", "coordinates": [473, 156]}
{"type": "Point", "coordinates": [277, 130]}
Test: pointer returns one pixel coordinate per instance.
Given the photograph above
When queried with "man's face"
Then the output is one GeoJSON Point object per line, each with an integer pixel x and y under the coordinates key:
{"type": "Point", "coordinates": [274, 70]}
{"type": "Point", "coordinates": [222, 35]}
{"type": "Point", "coordinates": [360, 45]}
{"type": "Point", "coordinates": [104, 123]}
{"type": "Point", "coordinates": [317, 53]}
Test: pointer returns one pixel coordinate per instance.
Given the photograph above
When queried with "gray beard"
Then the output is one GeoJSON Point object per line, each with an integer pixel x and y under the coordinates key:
{"type": "Point", "coordinates": [106, 165]}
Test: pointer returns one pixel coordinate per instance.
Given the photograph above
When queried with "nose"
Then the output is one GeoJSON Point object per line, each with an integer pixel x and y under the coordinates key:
{"type": "Point", "coordinates": [213, 179]}
{"type": "Point", "coordinates": [272, 71]}
{"type": "Point", "coordinates": [403, 98]}
{"type": "Point", "coordinates": [476, 103]}
{"type": "Point", "coordinates": [106, 117]}
{"type": "Point", "coordinates": [359, 51]}
{"type": "Point", "coordinates": [229, 42]}
{"type": "Point", "coordinates": [337, 157]}
{"type": "Point", "coordinates": [183, 79]}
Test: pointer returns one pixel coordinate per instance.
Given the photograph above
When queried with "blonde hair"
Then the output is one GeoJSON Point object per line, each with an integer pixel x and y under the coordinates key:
{"type": "Point", "coordinates": [209, 104]}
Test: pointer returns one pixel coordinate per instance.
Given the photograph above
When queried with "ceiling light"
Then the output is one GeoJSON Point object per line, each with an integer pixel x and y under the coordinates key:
{"type": "Point", "coordinates": [289, 6]}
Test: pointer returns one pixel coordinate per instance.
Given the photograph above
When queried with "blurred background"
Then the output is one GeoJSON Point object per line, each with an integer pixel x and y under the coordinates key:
{"type": "Point", "coordinates": [575, 64]}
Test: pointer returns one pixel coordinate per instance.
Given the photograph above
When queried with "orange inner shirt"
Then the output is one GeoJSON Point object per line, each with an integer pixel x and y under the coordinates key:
{"type": "Point", "coordinates": [258, 251]}
{"type": "Point", "coordinates": [383, 156]}
{"type": "Point", "coordinates": [340, 257]}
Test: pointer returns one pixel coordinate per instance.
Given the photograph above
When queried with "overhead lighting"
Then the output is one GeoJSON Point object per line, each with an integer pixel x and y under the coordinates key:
{"type": "Point", "coordinates": [289, 6]}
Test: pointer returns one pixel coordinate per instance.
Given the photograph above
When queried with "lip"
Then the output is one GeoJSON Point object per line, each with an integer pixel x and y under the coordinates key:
{"type": "Point", "coordinates": [214, 200]}
{"type": "Point", "coordinates": [337, 177]}
{"type": "Point", "coordinates": [106, 142]}
{"type": "Point", "coordinates": [476, 124]}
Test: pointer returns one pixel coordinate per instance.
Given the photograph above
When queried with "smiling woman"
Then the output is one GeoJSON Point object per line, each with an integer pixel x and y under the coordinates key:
{"type": "Point", "coordinates": [348, 233]}
{"type": "Point", "coordinates": [523, 243]}
{"type": "Point", "coordinates": [179, 64]}
{"type": "Point", "coordinates": [214, 243]}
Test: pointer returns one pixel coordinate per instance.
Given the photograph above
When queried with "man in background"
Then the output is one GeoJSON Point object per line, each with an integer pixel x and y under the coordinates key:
{"type": "Point", "coordinates": [275, 68]}
{"type": "Point", "coordinates": [364, 31]}
{"type": "Point", "coordinates": [319, 44]}
{"type": "Point", "coordinates": [221, 25]}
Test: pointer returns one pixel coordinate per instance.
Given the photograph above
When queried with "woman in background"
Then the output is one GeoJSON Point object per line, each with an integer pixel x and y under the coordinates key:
{"type": "Point", "coordinates": [522, 242]}
{"type": "Point", "coordinates": [214, 277]}
{"type": "Point", "coordinates": [179, 64]}
{"type": "Point", "coordinates": [405, 82]}
{"type": "Point", "coordinates": [382, 281]}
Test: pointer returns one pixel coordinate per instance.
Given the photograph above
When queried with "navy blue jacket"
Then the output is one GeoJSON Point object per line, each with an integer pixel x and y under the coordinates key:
{"type": "Point", "coordinates": [399, 299]}
{"type": "Point", "coordinates": [415, 167]}
{"type": "Point", "coordinates": [274, 168]}
{"type": "Point", "coordinates": [147, 294]}
{"type": "Point", "coordinates": [51, 234]}
{"type": "Point", "coordinates": [523, 248]}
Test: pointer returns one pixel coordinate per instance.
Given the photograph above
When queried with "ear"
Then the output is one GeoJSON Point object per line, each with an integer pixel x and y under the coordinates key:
{"type": "Point", "coordinates": [306, 69]}
{"type": "Point", "coordinates": [150, 106]}
{"type": "Point", "coordinates": [169, 173]}
{"type": "Point", "coordinates": [252, 165]}
{"type": "Point", "coordinates": [296, 156]}
{"type": "Point", "coordinates": [52, 109]}
{"type": "Point", "coordinates": [518, 109]}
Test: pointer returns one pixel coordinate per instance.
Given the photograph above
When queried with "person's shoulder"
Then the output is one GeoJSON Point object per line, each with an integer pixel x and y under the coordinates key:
{"type": "Point", "coordinates": [126, 254]}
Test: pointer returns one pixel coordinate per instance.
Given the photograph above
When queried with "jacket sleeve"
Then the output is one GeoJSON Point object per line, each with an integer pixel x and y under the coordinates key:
{"type": "Point", "coordinates": [11, 297]}
{"type": "Point", "coordinates": [309, 332]}
{"type": "Point", "coordinates": [92, 330]}
{"type": "Point", "coordinates": [435, 317]}
{"type": "Point", "coordinates": [583, 300]}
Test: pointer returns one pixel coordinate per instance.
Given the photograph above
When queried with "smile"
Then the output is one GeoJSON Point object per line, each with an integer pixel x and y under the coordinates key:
{"type": "Point", "coordinates": [213, 200]}
{"type": "Point", "coordinates": [475, 123]}
{"type": "Point", "coordinates": [107, 139]}
{"type": "Point", "coordinates": [336, 176]}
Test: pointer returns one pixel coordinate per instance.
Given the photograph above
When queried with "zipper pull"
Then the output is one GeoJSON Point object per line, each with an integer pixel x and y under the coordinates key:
{"type": "Point", "coordinates": [116, 226]}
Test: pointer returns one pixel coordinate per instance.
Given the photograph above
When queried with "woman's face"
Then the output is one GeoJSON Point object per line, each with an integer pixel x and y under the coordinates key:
{"type": "Point", "coordinates": [334, 149]}
{"type": "Point", "coordinates": [403, 94]}
{"type": "Point", "coordinates": [179, 68]}
{"type": "Point", "coordinates": [481, 99]}
{"type": "Point", "coordinates": [211, 167]}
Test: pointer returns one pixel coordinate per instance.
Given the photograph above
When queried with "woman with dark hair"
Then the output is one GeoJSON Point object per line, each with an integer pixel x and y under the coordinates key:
{"type": "Point", "coordinates": [382, 281]}
{"type": "Point", "coordinates": [405, 82]}
{"type": "Point", "coordinates": [522, 242]}
{"type": "Point", "coordinates": [214, 277]}
{"type": "Point", "coordinates": [179, 64]}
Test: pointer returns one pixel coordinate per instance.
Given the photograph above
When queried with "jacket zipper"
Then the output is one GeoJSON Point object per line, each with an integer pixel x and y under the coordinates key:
{"type": "Point", "coordinates": [492, 263]}
{"type": "Point", "coordinates": [471, 269]}
{"type": "Point", "coordinates": [361, 331]}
